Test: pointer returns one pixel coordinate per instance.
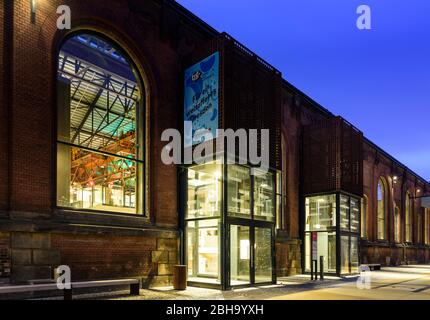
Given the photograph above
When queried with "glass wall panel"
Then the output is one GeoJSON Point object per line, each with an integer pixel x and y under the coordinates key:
{"type": "Point", "coordinates": [355, 215]}
{"type": "Point", "coordinates": [263, 255]}
{"type": "Point", "coordinates": [100, 129]}
{"type": "Point", "coordinates": [203, 250]}
{"type": "Point", "coordinates": [344, 254]}
{"type": "Point", "coordinates": [408, 225]}
{"type": "Point", "coordinates": [364, 217]}
{"type": "Point", "coordinates": [98, 182]}
{"type": "Point", "coordinates": [382, 209]}
{"type": "Point", "coordinates": [321, 213]}
{"type": "Point", "coordinates": [240, 255]}
{"type": "Point", "coordinates": [326, 247]}
{"type": "Point", "coordinates": [344, 213]}
{"type": "Point", "coordinates": [239, 191]}
{"type": "Point", "coordinates": [204, 191]}
{"type": "Point", "coordinates": [264, 195]}
{"type": "Point", "coordinates": [308, 252]}
{"type": "Point", "coordinates": [354, 255]}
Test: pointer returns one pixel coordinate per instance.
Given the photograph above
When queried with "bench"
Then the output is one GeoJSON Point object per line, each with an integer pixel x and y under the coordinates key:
{"type": "Point", "coordinates": [68, 293]}
{"type": "Point", "coordinates": [374, 267]}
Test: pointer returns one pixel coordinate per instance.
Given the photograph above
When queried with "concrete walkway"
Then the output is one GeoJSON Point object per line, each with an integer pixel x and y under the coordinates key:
{"type": "Point", "coordinates": [406, 282]}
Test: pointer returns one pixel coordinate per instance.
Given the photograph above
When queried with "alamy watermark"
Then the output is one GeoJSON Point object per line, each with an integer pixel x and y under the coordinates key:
{"type": "Point", "coordinates": [63, 276]}
{"type": "Point", "coordinates": [364, 21]}
{"type": "Point", "coordinates": [180, 150]}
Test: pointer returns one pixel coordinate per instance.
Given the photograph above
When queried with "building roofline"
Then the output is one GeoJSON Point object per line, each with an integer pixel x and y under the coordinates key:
{"type": "Point", "coordinates": [213, 32]}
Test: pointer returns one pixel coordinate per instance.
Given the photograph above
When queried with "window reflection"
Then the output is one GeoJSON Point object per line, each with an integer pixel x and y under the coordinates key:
{"type": "Point", "coordinates": [344, 213]}
{"type": "Point", "coordinates": [203, 252]}
{"type": "Point", "coordinates": [321, 213]}
{"type": "Point", "coordinates": [239, 191]}
{"type": "Point", "coordinates": [204, 191]}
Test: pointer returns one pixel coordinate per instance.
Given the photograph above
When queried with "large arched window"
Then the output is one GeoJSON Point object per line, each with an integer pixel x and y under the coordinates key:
{"type": "Point", "coordinates": [408, 218]}
{"type": "Point", "coordinates": [100, 127]}
{"type": "Point", "coordinates": [397, 224]}
{"type": "Point", "coordinates": [426, 226]}
{"type": "Point", "coordinates": [364, 204]}
{"type": "Point", "coordinates": [382, 209]}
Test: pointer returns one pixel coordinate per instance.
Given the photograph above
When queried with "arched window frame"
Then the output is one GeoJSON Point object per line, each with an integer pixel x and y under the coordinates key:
{"type": "Point", "coordinates": [382, 208]}
{"type": "Point", "coordinates": [397, 225]}
{"type": "Point", "coordinates": [139, 95]}
{"type": "Point", "coordinates": [364, 212]}
{"type": "Point", "coordinates": [408, 217]}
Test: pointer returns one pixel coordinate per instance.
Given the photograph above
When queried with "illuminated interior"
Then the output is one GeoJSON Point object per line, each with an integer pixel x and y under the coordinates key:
{"type": "Point", "coordinates": [248, 230]}
{"type": "Point", "coordinates": [322, 230]}
{"type": "Point", "coordinates": [99, 149]}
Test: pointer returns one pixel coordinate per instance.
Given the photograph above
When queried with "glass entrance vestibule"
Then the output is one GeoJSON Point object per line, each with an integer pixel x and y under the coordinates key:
{"type": "Point", "coordinates": [332, 231]}
{"type": "Point", "coordinates": [229, 223]}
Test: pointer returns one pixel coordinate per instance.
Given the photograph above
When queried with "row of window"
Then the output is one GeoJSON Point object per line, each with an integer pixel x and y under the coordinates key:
{"type": "Point", "coordinates": [421, 218]}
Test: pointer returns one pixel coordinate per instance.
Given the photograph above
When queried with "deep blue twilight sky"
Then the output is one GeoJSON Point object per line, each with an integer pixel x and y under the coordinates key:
{"type": "Point", "coordinates": [377, 79]}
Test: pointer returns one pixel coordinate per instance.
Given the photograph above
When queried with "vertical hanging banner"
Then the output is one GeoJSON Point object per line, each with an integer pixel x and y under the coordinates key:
{"type": "Point", "coordinates": [201, 100]}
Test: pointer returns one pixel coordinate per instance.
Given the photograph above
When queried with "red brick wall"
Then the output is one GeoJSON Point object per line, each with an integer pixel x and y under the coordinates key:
{"type": "Point", "coordinates": [295, 114]}
{"type": "Point", "coordinates": [4, 50]}
{"type": "Point", "coordinates": [141, 34]}
{"type": "Point", "coordinates": [105, 257]}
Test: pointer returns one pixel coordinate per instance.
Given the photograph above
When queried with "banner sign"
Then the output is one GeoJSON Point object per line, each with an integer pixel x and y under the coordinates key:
{"type": "Point", "coordinates": [201, 99]}
{"type": "Point", "coordinates": [425, 202]}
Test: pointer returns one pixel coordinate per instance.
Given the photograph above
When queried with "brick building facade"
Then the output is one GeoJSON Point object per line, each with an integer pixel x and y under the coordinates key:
{"type": "Point", "coordinates": [158, 36]}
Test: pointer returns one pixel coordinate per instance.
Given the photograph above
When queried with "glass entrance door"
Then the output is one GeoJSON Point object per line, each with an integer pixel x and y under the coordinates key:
{"type": "Point", "coordinates": [229, 225]}
{"type": "Point", "coordinates": [240, 255]}
{"type": "Point", "coordinates": [251, 255]}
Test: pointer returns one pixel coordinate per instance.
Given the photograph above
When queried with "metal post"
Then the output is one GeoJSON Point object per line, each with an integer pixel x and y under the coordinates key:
{"type": "Point", "coordinates": [321, 268]}
{"type": "Point", "coordinates": [314, 270]}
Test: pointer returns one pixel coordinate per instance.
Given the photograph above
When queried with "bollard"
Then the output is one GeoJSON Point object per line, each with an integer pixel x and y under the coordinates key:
{"type": "Point", "coordinates": [321, 268]}
{"type": "Point", "coordinates": [314, 270]}
{"type": "Point", "coordinates": [180, 277]}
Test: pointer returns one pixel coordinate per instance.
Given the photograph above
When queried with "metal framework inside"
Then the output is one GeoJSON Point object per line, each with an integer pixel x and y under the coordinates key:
{"type": "Point", "coordinates": [100, 123]}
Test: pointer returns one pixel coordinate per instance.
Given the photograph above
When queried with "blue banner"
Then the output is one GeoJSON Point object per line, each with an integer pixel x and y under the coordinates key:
{"type": "Point", "coordinates": [201, 99]}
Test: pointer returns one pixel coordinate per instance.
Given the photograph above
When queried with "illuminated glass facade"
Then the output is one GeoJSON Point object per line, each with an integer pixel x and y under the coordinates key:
{"type": "Point", "coordinates": [332, 231]}
{"type": "Point", "coordinates": [229, 223]}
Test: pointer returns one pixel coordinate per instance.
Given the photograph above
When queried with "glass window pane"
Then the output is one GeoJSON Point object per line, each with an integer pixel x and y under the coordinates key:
{"type": "Point", "coordinates": [204, 191]}
{"type": "Point", "coordinates": [364, 217]}
{"type": "Point", "coordinates": [321, 213]}
{"type": "Point", "coordinates": [344, 213]}
{"type": "Point", "coordinates": [101, 103]}
{"type": "Point", "coordinates": [240, 255]}
{"type": "Point", "coordinates": [89, 180]}
{"type": "Point", "coordinates": [344, 255]}
{"type": "Point", "coordinates": [326, 247]}
{"type": "Point", "coordinates": [264, 192]}
{"type": "Point", "coordinates": [382, 208]}
{"type": "Point", "coordinates": [263, 255]}
{"type": "Point", "coordinates": [355, 215]}
{"type": "Point", "coordinates": [203, 248]}
{"type": "Point", "coordinates": [354, 255]}
{"type": "Point", "coordinates": [99, 129]}
{"type": "Point", "coordinates": [308, 252]}
{"type": "Point", "coordinates": [279, 202]}
{"type": "Point", "coordinates": [239, 191]}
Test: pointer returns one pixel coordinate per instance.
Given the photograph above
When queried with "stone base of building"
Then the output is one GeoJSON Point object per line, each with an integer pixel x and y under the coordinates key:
{"type": "Point", "coordinates": [288, 256]}
{"type": "Point", "coordinates": [393, 254]}
{"type": "Point", "coordinates": [26, 256]}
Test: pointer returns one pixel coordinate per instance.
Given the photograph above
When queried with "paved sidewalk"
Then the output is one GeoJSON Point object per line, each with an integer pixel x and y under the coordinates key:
{"type": "Point", "coordinates": [405, 282]}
